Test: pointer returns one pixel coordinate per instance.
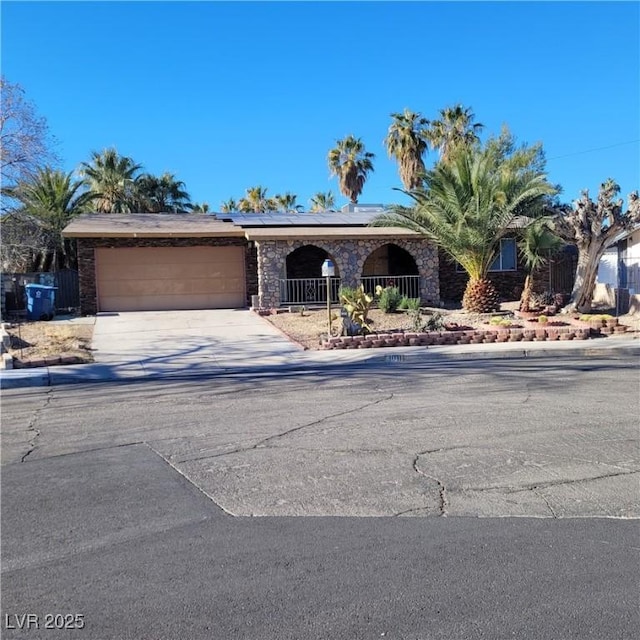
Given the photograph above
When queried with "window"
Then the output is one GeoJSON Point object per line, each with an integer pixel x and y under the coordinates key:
{"type": "Point", "coordinates": [506, 259]}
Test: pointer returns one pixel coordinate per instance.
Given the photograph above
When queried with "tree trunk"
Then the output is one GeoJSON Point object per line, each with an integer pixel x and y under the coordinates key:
{"type": "Point", "coordinates": [525, 298]}
{"type": "Point", "coordinates": [586, 272]}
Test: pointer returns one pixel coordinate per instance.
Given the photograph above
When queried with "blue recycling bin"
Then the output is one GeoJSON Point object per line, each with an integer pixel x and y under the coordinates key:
{"type": "Point", "coordinates": [41, 301]}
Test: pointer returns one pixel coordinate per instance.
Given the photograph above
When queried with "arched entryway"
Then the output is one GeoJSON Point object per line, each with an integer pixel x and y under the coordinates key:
{"type": "Point", "coordinates": [391, 265]}
{"type": "Point", "coordinates": [304, 283]}
{"type": "Point", "coordinates": [306, 262]}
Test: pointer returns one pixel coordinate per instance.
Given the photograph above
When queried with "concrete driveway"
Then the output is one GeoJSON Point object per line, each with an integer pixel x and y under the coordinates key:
{"type": "Point", "coordinates": [214, 338]}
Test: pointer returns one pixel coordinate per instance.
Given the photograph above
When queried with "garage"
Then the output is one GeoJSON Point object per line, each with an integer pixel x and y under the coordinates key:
{"type": "Point", "coordinates": [163, 278]}
{"type": "Point", "coordinates": [162, 262]}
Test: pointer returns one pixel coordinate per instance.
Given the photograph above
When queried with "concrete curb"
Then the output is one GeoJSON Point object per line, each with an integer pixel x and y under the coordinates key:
{"type": "Point", "coordinates": [309, 360]}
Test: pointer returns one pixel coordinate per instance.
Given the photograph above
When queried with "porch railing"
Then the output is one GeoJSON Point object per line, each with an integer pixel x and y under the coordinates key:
{"type": "Point", "coordinates": [407, 285]}
{"type": "Point", "coordinates": [314, 290]}
{"type": "Point", "coordinates": [308, 290]}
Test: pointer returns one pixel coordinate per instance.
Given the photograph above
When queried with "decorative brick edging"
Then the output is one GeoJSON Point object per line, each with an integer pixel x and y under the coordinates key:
{"type": "Point", "coordinates": [47, 362]}
{"type": "Point", "coordinates": [437, 338]}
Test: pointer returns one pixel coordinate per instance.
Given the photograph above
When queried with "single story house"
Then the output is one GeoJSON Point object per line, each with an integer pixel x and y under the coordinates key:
{"type": "Point", "coordinates": [164, 261]}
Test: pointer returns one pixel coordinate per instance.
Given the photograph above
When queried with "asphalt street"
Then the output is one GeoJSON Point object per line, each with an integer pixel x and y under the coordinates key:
{"type": "Point", "coordinates": [127, 504]}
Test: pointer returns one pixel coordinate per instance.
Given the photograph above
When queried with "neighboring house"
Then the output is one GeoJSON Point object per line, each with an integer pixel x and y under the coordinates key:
{"type": "Point", "coordinates": [161, 261]}
{"type": "Point", "coordinates": [619, 269]}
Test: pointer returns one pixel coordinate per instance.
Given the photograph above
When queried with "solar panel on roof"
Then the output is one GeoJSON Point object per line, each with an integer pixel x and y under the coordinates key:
{"type": "Point", "coordinates": [276, 219]}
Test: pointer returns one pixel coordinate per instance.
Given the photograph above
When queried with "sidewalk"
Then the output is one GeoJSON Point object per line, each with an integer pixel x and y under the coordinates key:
{"type": "Point", "coordinates": [233, 362]}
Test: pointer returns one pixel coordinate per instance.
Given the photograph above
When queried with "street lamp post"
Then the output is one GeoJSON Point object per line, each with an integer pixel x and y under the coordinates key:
{"type": "Point", "coordinates": [328, 271]}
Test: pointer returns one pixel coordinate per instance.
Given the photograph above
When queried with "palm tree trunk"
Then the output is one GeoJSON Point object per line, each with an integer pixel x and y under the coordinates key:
{"type": "Point", "coordinates": [480, 296]}
{"type": "Point", "coordinates": [527, 292]}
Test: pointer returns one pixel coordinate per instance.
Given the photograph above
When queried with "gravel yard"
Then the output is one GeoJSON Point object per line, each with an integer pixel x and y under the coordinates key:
{"type": "Point", "coordinates": [38, 343]}
{"type": "Point", "coordinates": [310, 326]}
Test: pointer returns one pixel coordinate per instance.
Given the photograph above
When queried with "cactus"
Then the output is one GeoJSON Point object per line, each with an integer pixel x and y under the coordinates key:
{"type": "Point", "coordinates": [357, 303]}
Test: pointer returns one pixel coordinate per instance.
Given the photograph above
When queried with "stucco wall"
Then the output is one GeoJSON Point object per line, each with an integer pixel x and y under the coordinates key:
{"type": "Point", "coordinates": [349, 257]}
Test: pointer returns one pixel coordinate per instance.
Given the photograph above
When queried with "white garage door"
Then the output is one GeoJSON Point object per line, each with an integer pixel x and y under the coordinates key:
{"type": "Point", "coordinates": [165, 278]}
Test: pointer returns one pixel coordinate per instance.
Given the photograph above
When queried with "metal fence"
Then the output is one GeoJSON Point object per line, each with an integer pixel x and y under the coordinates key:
{"type": "Point", "coordinates": [407, 285]}
{"type": "Point", "coordinates": [314, 290]}
{"type": "Point", "coordinates": [308, 290]}
{"type": "Point", "coordinates": [66, 282]}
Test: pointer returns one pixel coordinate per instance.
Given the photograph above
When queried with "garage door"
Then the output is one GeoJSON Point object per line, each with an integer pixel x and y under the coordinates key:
{"type": "Point", "coordinates": [164, 278]}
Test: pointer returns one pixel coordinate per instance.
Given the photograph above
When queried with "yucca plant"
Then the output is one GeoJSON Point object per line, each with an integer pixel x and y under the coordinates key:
{"type": "Point", "coordinates": [470, 202]}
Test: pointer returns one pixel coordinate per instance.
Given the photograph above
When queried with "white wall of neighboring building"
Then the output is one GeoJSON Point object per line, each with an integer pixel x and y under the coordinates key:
{"type": "Point", "coordinates": [608, 268]}
{"type": "Point", "coordinates": [633, 261]}
{"type": "Point", "coordinates": [608, 278]}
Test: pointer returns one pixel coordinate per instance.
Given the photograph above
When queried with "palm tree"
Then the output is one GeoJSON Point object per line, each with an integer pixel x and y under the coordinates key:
{"type": "Point", "coordinates": [256, 201]}
{"type": "Point", "coordinates": [351, 163]}
{"type": "Point", "coordinates": [468, 204]}
{"type": "Point", "coordinates": [228, 206]}
{"type": "Point", "coordinates": [110, 177]}
{"type": "Point", "coordinates": [407, 142]}
{"type": "Point", "coordinates": [323, 201]}
{"type": "Point", "coordinates": [287, 202]}
{"type": "Point", "coordinates": [200, 208]}
{"type": "Point", "coordinates": [537, 243]}
{"type": "Point", "coordinates": [48, 202]}
{"type": "Point", "coordinates": [455, 128]}
{"type": "Point", "coordinates": [162, 194]}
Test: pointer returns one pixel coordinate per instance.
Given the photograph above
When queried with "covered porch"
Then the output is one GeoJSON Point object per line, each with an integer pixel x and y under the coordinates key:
{"type": "Point", "coordinates": [290, 262]}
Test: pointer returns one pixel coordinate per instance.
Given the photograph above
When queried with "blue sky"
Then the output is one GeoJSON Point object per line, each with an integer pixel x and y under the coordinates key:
{"type": "Point", "coordinates": [229, 95]}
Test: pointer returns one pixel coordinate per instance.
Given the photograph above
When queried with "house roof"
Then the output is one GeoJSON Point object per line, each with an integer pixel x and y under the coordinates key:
{"type": "Point", "coordinates": [149, 225]}
{"type": "Point", "coordinates": [625, 234]}
{"type": "Point", "coordinates": [353, 232]}
{"type": "Point", "coordinates": [251, 226]}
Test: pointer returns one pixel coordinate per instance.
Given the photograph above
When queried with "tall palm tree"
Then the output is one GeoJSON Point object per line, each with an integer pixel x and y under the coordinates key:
{"type": "Point", "coordinates": [110, 177]}
{"type": "Point", "coordinates": [407, 142]}
{"type": "Point", "coordinates": [351, 163]}
{"type": "Point", "coordinates": [537, 243]}
{"type": "Point", "coordinates": [467, 205]}
{"type": "Point", "coordinates": [256, 201]}
{"type": "Point", "coordinates": [48, 202]}
{"type": "Point", "coordinates": [322, 201]}
{"type": "Point", "coordinates": [287, 202]}
{"type": "Point", "coordinates": [228, 206]}
{"type": "Point", "coordinates": [163, 194]}
{"type": "Point", "coordinates": [455, 128]}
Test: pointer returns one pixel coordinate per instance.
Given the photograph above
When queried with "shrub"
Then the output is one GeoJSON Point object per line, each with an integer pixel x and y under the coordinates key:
{"type": "Point", "coordinates": [413, 304]}
{"type": "Point", "coordinates": [505, 322]}
{"type": "Point", "coordinates": [496, 320]}
{"type": "Point", "coordinates": [404, 303]}
{"type": "Point", "coordinates": [435, 322]}
{"type": "Point", "coordinates": [543, 319]}
{"type": "Point", "coordinates": [388, 298]}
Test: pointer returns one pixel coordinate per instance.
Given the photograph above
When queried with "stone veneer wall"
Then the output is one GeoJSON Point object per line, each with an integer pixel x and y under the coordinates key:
{"type": "Point", "coordinates": [349, 257]}
{"type": "Point", "coordinates": [87, 261]}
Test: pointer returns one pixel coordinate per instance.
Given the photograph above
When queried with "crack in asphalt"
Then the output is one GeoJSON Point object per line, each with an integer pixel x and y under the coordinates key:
{"type": "Point", "coordinates": [544, 499]}
{"type": "Point", "coordinates": [442, 490]}
{"type": "Point", "coordinates": [552, 483]}
{"type": "Point", "coordinates": [265, 441]}
{"type": "Point", "coordinates": [32, 425]}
